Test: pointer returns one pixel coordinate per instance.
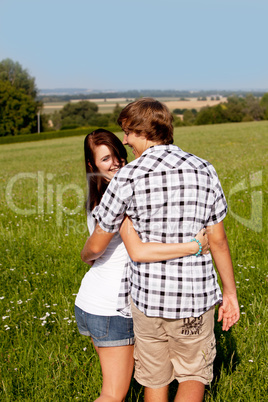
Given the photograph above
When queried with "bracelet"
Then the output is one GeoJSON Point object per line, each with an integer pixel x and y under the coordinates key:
{"type": "Point", "coordinates": [200, 247]}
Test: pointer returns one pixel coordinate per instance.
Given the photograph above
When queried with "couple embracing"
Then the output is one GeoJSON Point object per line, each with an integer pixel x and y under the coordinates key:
{"type": "Point", "coordinates": [168, 208]}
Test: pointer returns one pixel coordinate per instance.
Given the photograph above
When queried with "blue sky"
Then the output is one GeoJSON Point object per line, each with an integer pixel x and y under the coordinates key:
{"type": "Point", "coordinates": [138, 44]}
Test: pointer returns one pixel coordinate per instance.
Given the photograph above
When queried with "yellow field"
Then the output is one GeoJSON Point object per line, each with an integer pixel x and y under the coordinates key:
{"type": "Point", "coordinates": [107, 105]}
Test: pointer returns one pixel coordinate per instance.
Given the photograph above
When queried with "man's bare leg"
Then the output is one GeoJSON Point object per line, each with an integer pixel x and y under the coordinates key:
{"type": "Point", "coordinates": [156, 394]}
{"type": "Point", "coordinates": [190, 391]}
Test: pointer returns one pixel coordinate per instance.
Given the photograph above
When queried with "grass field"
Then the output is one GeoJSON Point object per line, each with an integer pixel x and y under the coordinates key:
{"type": "Point", "coordinates": [42, 187]}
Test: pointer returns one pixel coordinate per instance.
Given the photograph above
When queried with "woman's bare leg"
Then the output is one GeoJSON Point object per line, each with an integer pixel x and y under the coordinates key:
{"type": "Point", "coordinates": [117, 366]}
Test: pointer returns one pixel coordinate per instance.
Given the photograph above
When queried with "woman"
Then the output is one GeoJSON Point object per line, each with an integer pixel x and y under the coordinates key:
{"type": "Point", "coordinates": [95, 305]}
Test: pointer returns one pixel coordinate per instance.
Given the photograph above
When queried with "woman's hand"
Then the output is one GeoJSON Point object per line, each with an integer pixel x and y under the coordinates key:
{"type": "Point", "coordinates": [203, 238]}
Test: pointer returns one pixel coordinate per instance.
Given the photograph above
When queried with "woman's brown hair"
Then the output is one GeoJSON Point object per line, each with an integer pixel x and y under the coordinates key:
{"type": "Point", "coordinates": [97, 183]}
{"type": "Point", "coordinates": [150, 118]}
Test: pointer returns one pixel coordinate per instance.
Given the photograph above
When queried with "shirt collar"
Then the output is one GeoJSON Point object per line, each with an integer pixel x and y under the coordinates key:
{"type": "Point", "coordinates": [161, 147]}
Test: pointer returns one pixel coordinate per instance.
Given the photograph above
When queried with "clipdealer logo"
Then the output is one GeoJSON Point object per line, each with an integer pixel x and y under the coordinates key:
{"type": "Point", "coordinates": [253, 185]}
{"type": "Point", "coordinates": [47, 193]}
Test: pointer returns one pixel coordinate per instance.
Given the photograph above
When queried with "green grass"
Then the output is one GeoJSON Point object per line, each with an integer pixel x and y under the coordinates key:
{"type": "Point", "coordinates": [43, 357]}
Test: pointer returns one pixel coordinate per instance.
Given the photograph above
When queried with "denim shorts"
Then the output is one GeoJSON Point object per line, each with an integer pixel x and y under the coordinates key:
{"type": "Point", "coordinates": [105, 330]}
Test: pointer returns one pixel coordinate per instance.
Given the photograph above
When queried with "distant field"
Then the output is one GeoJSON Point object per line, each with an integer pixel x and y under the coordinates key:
{"type": "Point", "coordinates": [107, 106]}
{"type": "Point", "coordinates": [43, 229]}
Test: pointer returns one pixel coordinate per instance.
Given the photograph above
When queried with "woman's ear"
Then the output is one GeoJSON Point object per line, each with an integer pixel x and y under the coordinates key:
{"type": "Point", "coordinates": [89, 165]}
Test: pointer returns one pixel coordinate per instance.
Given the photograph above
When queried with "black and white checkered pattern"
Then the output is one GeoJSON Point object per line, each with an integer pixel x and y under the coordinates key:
{"type": "Point", "coordinates": [169, 195]}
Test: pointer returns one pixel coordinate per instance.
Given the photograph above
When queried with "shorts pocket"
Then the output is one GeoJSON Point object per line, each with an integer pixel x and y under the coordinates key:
{"type": "Point", "coordinates": [209, 357]}
{"type": "Point", "coordinates": [98, 326]}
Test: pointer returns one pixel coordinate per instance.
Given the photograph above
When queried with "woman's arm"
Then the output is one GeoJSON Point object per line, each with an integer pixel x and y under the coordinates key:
{"type": "Point", "coordinates": [95, 245]}
{"type": "Point", "coordinates": [153, 252]}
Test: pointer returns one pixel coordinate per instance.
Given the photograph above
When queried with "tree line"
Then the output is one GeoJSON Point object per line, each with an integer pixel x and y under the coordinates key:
{"type": "Point", "coordinates": [136, 94]}
{"type": "Point", "coordinates": [236, 109]}
{"type": "Point", "coordinates": [20, 106]}
{"type": "Point", "coordinates": [80, 114]}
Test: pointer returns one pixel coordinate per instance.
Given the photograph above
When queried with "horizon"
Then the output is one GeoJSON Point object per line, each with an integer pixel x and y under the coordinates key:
{"type": "Point", "coordinates": [77, 91]}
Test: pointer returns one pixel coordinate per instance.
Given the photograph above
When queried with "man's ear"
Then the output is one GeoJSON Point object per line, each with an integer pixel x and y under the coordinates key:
{"type": "Point", "coordinates": [141, 135]}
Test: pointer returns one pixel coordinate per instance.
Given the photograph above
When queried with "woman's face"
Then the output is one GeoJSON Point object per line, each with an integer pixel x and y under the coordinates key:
{"type": "Point", "coordinates": [106, 163]}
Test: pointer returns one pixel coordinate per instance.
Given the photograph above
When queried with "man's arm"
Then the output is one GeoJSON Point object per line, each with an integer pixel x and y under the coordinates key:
{"type": "Point", "coordinates": [229, 308]}
{"type": "Point", "coordinates": [96, 244]}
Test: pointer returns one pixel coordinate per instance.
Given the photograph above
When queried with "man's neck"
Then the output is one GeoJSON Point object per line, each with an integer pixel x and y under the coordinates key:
{"type": "Point", "coordinates": [150, 144]}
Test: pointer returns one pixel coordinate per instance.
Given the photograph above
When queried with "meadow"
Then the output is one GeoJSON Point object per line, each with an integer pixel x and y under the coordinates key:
{"type": "Point", "coordinates": [43, 189]}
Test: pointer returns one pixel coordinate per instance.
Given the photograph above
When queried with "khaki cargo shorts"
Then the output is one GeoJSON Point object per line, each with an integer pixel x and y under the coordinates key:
{"type": "Point", "coordinates": [165, 349]}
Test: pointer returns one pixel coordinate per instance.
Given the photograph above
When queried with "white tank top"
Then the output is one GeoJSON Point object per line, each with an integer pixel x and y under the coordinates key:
{"type": "Point", "coordinates": [100, 286]}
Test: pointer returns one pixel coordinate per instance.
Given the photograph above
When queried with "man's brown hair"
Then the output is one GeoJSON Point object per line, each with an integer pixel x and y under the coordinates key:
{"type": "Point", "coordinates": [150, 118]}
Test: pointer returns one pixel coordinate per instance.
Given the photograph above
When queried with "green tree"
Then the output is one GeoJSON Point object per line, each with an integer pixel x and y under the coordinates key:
{"type": "Point", "coordinates": [253, 109]}
{"type": "Point", "coordinates": [55, 118]}
{"type": "Point", "coordinates": [177, 121]}
{"type": "Point", "coordinates": [264, 105]}
{"type": "Point", "coordinates": [13, 72]}
{"type": "Point", "coordinates": [78, 114]}
{"type": "Point", "coordinates": [179, 111]}
{"type": "Point", "coordinates": [101, 120]}
{"type": "Point", "coordinates": [211, 115]}
{"type": "Point", "coordinates": [234, 110]}
{"type": "Point", "coordinates": [188, 117]}
{"type": "Point", "coordinates": [116, 112]}
{"type": "Point", "coordinates": [18, 111]}
{"type": "Point", "coordinates": [18, 106]}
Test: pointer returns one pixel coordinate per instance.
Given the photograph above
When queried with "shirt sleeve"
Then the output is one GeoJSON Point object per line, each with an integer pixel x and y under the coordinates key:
{"type": "Point", "coordinates": [219, 208]}
{"type": "Point", "coordinates": [114, 203]}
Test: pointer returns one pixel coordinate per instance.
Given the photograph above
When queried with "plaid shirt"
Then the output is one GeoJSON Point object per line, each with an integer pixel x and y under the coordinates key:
{"type": "Point", "coordinates": [169, 195]}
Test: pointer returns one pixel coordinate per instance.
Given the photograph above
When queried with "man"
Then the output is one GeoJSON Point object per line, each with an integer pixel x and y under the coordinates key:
{"type": "Point", "coordinates": [169, 196]}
